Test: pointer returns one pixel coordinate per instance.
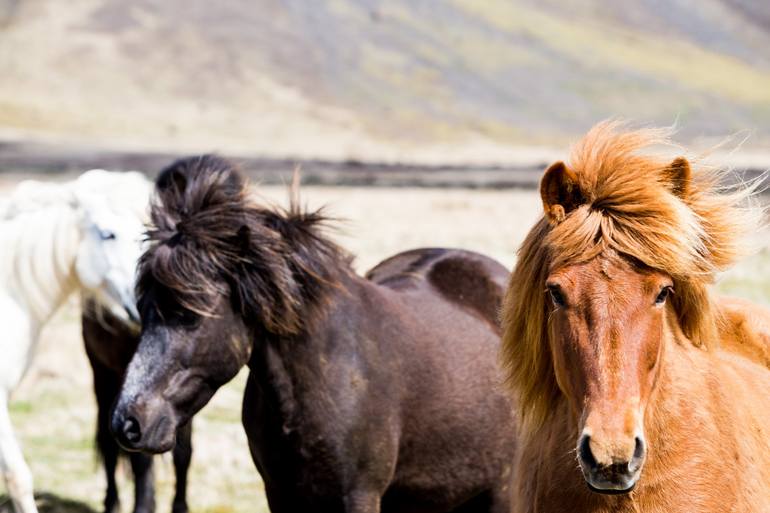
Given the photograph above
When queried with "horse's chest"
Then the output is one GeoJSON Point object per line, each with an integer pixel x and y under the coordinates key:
{"type": "Point", "coordinates": [300, 445]}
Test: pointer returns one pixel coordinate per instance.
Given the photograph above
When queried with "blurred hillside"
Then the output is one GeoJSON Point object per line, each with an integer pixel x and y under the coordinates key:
{"type": "Point", "coordinates": [424, 80]}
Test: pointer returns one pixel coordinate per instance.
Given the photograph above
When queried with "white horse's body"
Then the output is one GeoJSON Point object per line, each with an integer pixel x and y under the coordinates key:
{"type": "Point", "coordinates": [56, 239]}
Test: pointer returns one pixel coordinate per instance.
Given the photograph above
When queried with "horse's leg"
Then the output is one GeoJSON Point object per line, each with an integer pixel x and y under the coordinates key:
{"type": "Point", "coordinates": [106, 388]}
{"type": "Point", "coordinates": [144, 491]}
{"type": "Point", "coordinates": [182, 456]}
{"type": "Point", "coordinates": [362, 501]}
{"type": "Point", "coordinates": [17, 347]}
{"type": "Point", "coordinates": [16, 473]}
{"type": "Point", "coordinates": [501, 499]}
{"type": "Point", "coordinates": [485, 502]}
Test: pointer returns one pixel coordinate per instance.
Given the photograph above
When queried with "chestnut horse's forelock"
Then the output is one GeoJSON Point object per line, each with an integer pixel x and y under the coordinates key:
{"type": "Point", "coordinates": [208, 238]}
{"type": "Point", "coordinates": [628, 205]}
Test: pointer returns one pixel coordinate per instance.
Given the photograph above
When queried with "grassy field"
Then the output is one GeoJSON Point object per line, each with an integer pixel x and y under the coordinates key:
{"type": "Point", "coordinates": [54, 410]}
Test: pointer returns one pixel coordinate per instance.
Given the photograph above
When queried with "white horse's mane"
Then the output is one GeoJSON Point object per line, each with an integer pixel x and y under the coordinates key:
{"type": "Point", "coordinates": [39, 229]}
{"type": "Point", "coordinates": [129, 189]}
{"type": "Point", "coordinates": [40, 247]}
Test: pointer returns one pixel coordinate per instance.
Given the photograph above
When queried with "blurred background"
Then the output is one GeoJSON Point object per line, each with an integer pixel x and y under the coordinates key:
{"type": "Point", "coordinates": [440, 82]}
{"type": "Point", "coordinates": [411, 96]}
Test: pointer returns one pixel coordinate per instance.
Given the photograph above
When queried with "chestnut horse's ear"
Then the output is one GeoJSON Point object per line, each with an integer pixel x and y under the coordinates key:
{"type": "Point", "coordinates": [560, 192]}
{"type": "Point", "coordinates": [678, 174]}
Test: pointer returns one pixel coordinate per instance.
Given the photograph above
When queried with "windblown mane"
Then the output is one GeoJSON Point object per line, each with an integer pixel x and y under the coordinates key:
{"type": "Point", "coordinates": [627, 203]}
{"type": "Point", "coordinates": [208, 238]}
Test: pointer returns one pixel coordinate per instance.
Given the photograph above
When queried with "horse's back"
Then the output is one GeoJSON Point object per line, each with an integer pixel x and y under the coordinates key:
{"type": "Point", "coordinates": [448, 347]}
{"type": "Point", "coordinates": [746, 329]}
{"type": "Point", "coordinates": [467, 279]}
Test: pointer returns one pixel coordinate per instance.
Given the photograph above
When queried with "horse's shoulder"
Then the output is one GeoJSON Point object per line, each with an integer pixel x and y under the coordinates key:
{"type": "Point", "coordinates": [462, 277]}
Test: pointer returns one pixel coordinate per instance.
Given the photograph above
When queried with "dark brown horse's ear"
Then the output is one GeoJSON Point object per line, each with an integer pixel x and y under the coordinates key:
{"type": "Point", "coordinates": [678, 175]}
{"type": "Point", "coordinates": [560, 192]}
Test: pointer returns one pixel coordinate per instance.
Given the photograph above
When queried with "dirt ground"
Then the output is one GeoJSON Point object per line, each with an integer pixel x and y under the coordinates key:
{"type": "Point", "coordinates": [54, 409]}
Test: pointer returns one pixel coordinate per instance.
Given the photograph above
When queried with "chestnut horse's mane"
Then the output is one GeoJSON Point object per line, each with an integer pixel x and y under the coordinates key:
{"type": "Point", "coordinates": [208, 237]}
{"type": "Point", "coordinates": [628, 204]}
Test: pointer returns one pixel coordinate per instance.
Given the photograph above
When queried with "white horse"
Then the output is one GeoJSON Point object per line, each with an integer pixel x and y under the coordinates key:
{"type": "Point", "coordinates": [57, 239]}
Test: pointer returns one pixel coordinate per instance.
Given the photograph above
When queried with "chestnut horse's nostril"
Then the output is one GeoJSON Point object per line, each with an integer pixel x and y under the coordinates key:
{"type": "Point", "coordinates": [131, 430]}
{"type": "Point", "coordinates": [639, 450]}
{"type": "Point", "coordinates": [614, 476]}
{"type": "Point", "coordinates": [584, 452]}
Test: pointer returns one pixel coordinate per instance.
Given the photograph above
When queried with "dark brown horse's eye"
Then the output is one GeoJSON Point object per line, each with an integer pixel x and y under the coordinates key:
{"type": "Point", "coordinates": [556, 295]}
{"type": "Point", "coordinates": [663, 295]}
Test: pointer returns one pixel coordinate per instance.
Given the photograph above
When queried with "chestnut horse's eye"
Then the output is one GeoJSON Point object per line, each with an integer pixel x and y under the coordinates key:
{"type": "Point", "coordinates": [556, 295]}
{"type": "Point", "coordinates": [663, 295]}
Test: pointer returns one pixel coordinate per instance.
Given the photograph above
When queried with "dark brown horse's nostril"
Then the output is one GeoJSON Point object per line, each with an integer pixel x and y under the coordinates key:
{"type": "Point", "coordinates": [131, 431]}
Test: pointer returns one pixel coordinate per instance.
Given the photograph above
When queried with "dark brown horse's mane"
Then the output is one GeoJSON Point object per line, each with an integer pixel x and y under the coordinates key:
{"type": "Point", "coordinates": [208, 238]}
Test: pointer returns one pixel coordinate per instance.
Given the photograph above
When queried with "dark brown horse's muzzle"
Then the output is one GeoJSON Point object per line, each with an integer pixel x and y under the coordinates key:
{"type": "Point", "coordinates": [139, 428]}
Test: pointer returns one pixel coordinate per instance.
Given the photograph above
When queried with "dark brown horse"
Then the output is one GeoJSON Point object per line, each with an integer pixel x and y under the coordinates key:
{"type": "Point", "coordinates": [110, 344]}
{"type": "Point", "coordinates": [364, 395]}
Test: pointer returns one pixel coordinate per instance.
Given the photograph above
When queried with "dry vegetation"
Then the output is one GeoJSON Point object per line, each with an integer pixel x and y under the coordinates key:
{"type": "Point", "coordinates": [54, 410]}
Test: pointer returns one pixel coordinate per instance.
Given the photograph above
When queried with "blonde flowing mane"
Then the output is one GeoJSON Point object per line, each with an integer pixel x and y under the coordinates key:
{"type": "Point", "coordinates": [624, 197]}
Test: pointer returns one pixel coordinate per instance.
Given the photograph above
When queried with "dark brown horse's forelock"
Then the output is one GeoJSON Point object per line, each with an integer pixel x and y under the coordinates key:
{"type": "Point", "coordinates": [208, 239]}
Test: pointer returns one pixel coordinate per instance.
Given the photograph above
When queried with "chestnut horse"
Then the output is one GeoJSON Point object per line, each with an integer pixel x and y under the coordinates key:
{"type": "Point", "coordinates": [364, 394]}
{"type": "Point", "coordinates": [635, 392]}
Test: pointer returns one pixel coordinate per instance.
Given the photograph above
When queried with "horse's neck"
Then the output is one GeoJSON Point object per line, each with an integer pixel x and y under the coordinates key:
{"type": "Point", "coordinates": [40, 259]}
{"type": "Point", "coordinates": [689, 440]}
{"type": "Point", "coordinates": [282, 365]}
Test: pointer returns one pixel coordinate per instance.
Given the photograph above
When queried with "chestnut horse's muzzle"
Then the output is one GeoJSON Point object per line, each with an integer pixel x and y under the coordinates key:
{"type": "Point", "coordinates": [614, 478]}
